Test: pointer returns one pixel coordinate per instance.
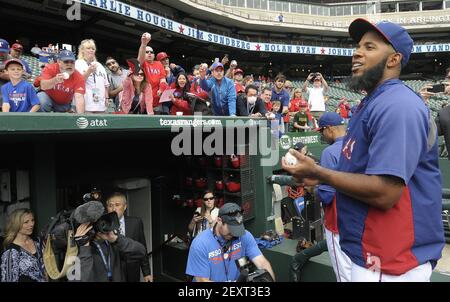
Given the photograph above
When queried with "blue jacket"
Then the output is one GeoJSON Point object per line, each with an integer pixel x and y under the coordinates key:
{"type": "Point", "coordinates": [223, 96]}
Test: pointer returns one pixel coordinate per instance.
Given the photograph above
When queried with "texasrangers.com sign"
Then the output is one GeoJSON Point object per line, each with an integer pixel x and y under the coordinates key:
{"type": "Point", "coordinates": [147, 17]}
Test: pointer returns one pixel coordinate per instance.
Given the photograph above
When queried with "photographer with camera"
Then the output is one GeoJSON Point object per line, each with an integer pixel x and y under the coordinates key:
{"type": "Point", "coordinates": [429, 90]}
{"type": "Point", "coordinates": [101, 248]}
{"type": "Point", "coordinates": [316, 94]}
{"type": "Point", "coordinates": [213, 253]}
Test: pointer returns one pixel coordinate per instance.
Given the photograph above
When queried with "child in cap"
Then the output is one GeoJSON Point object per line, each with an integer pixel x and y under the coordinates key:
{"type": "Point", "coordinates": [277, 123]}
{"type": "Point", "coordinates": [18, 95]}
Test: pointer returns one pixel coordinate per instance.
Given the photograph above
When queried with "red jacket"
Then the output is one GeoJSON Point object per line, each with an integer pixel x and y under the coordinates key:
{"type": "Point", "coordinates": [239, 87]}
{"type": "Point", "coordinates": [344, 109]}
{"type": "Point", "coordinates": [179, 104]}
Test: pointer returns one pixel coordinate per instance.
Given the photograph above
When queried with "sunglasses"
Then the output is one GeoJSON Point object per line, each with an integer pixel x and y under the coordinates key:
{"type": "Point", "coordinates": [139, 74]}
{"type": "Point", "coordinates": [288, 87]}
{"type": "Point", "coordinates": [149, 51]}
{"type": "Point", "coordinates": [110, 63]}
{"type": "Point", "coordinates": [208, 198]}
{"type": "Point", "coordinates": [68, 62]}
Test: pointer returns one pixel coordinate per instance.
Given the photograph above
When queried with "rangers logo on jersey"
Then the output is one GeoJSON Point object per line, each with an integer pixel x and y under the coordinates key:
{"type": "Point", "coordinates": [348, 148]}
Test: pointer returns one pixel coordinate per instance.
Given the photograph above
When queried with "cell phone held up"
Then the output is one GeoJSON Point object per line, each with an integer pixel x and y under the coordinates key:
{"type": "Point", "coordinates": [437, 88]}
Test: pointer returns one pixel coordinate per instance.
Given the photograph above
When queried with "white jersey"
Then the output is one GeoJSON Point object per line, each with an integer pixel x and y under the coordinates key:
{"type": "Point", "coordinates": [96, 84]}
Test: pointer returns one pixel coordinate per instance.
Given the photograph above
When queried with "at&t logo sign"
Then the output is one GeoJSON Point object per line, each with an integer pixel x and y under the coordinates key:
{"type": "Point", "coordinates": [84, 123]}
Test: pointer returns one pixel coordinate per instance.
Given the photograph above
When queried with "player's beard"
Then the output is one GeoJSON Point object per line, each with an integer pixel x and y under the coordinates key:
{"type": "Point", "coordinates": [369, 79]}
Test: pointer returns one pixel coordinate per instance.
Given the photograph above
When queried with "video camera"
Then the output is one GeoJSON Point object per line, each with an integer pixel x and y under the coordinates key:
{"type": "Point", "coordinates": [249, 272]}
{"type": "Point", "coordinates": [91, 211]}
{"type": "Point", "coordinates": [60, 239]}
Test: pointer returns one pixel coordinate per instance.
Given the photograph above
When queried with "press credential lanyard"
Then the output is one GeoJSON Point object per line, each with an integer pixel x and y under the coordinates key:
{"type": "Point", "coordinates": [106, 262]}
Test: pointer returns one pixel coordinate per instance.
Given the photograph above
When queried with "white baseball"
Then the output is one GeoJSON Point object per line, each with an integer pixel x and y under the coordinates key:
{"type": "Point", "coordinates": [65, 75]}
{"type": "Point", "coordinates": [272, 115]}
{"type": "Point", "coordinates": [204, 65]}
{"type": "Point", "coordinates": [148, 36]}
{"type": "Point", "coordinates": [290, 159]}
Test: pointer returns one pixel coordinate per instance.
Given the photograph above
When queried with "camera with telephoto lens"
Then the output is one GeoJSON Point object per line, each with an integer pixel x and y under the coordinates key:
{"type": "Point", "coordinates": [90, 211]}
{"type": "Point", "coordinates": [250, 273]}
{"type": "Point", "coordinates": [61, 243]}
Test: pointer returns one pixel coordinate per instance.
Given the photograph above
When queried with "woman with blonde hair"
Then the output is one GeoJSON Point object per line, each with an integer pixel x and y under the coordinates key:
{"type": "Point", "coordinates": [97, 95]}
{"type": "Point", "coordinates": [22, 259]}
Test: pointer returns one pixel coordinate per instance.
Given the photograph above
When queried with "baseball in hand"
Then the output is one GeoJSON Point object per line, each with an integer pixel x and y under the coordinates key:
{"type": "Point", "coordinates": [290, 159]}
{"type": "Point", "coordinates": [65, 75]}
{"type": "Point", "coordinates": [147, 35]}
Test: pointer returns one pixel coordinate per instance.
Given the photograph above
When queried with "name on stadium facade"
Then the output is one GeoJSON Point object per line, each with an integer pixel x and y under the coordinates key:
{"type": "Point", "coordinates": [147, 17]}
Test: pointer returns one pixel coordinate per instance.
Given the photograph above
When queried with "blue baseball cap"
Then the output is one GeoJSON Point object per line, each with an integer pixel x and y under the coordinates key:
{"type": "Point", "coordinates": [393, 33]}
{"type": "Point", "coordinates": [216, 65]}
{"type": "Point", "coordinates": [66, 55]}
{"type": "Point", "coordinates": [330, 119]}
{"type": "Point", "coordinates": [4, 46]}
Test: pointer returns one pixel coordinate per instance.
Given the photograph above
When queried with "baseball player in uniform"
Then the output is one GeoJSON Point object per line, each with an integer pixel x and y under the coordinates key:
{"type": "Point", "coordinates": [388, 181]}
{"type": "Point", "coordinates": [333, 128]}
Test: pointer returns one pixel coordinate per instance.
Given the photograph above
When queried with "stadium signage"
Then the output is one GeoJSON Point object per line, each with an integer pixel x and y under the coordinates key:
{"type": "Point", "coordinates": [141, 15]}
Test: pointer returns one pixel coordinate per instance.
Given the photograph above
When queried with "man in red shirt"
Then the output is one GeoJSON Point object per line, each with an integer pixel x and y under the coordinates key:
{"type": "Point", "coordinates": [238, 77]}
{"type": "Point", "coordinates": [60, 84]}
{"type": "Point", "coordinates": [155, 73]}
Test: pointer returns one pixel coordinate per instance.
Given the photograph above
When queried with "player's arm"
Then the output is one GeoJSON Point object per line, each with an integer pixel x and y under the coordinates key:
{"type": "Point", "coordinates": [262, 263]}
{"type": "Point", "coordinates": [380, 191]}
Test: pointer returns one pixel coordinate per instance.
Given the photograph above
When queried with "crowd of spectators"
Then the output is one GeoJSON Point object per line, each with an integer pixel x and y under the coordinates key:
{"type": "Point", "coordinates": [152, 84]}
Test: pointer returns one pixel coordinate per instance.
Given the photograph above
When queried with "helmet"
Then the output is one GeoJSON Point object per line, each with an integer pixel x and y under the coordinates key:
{"type": "Point", "coordinates": [233, 186]}
{"type": "Point", "coordinates": [161, 56]}
{"type": "Point", "coordinates": [234, 161]}
{"type": "Point", "coordinates": [219, 185]}
{"type": "Point", "coordinates": [201, 183]}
